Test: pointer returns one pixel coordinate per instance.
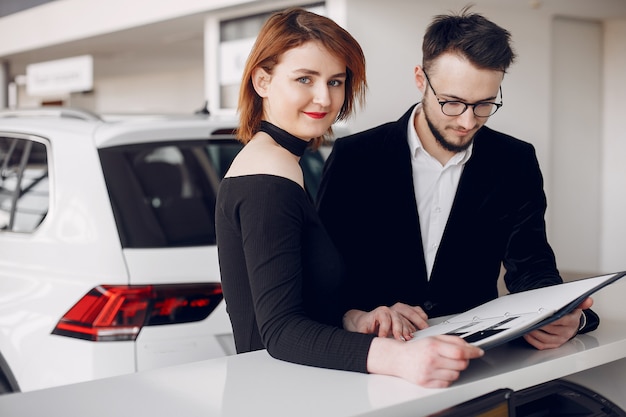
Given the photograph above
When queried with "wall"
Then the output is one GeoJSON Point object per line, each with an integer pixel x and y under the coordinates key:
{"type": "Point", "coordinates": [613, 228]}
{"type": "Point", "coordinates": [576, 142]}
{"type": "Point", "coordinates": [179, 92]}
{"type": "Point", "coordinates": [158, 92]}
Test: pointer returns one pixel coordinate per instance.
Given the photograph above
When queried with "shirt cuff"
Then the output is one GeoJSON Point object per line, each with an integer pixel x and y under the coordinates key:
{"type": "Point", "coordinates": [583, 321]}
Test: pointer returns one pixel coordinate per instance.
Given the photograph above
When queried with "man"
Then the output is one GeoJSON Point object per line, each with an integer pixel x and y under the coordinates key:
{"type": "Point", "coordinates": [425, 210]}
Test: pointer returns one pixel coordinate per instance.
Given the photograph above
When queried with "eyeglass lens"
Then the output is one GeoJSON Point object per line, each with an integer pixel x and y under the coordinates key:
{"type": "Point", "coordinates": [456, 108]}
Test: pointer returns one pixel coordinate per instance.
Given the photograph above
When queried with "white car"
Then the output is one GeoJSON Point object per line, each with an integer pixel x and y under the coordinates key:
{"type": "Point", "coordinates": [108, 263]}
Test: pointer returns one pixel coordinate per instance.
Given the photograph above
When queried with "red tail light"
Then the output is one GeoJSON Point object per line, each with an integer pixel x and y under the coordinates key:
{"type": "Point", "coordinates": [113, 313]}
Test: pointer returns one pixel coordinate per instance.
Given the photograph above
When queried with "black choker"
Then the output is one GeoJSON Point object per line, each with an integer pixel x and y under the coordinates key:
{"type": "Point", "coordinates": [285, 139]}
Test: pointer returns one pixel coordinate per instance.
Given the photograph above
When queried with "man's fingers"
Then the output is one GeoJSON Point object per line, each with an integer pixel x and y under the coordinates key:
{"type": "Point", "coordinates": [414, 314]}
{"type": "Point", "coordinates": [586, 304]}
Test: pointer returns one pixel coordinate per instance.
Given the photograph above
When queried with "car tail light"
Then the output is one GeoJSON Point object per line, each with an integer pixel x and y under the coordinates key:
{"type": "Point", "coordinates": [113, 313]}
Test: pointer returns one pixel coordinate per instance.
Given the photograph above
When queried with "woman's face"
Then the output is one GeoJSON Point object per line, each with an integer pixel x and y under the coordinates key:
{"type": "Point", "coordinates": [305, 91]}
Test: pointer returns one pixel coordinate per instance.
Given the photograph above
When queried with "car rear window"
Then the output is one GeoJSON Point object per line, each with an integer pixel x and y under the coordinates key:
{"type": "Point", "coordinates": [163, 193]}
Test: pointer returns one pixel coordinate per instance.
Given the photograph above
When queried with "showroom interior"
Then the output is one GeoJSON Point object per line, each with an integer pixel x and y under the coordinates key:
{"type": "Point", "coordinates": [564, 94]}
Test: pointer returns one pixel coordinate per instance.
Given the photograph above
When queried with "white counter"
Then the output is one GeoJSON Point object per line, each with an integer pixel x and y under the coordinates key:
{"type": "Point", "coordinates": [255, 384]}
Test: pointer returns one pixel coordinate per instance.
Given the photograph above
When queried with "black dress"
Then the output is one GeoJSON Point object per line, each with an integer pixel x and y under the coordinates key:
{"type": "Point", "coordinates": [281, 275]}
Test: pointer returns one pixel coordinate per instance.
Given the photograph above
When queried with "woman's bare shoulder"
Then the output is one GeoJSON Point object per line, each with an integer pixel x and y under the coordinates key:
{"type": "Point", "coordinates": [266, 158]}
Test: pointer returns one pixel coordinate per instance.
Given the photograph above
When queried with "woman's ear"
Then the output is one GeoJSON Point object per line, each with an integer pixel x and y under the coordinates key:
{"type": "Point", "coordinates": [260, 81]}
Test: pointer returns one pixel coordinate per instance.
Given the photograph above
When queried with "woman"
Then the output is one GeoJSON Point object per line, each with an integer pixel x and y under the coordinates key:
{"type": "Point", "coordinates": [281, 275]}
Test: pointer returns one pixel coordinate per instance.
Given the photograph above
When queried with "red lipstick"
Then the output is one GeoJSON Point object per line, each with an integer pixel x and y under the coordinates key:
{"type": "Point", "coordinates": [316, 115]}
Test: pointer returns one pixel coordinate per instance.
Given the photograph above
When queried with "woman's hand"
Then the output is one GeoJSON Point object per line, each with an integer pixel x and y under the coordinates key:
{"type": "Point", "coordinates": [399, 321]}
{"type": "Point", "coordinates": [432, 362]}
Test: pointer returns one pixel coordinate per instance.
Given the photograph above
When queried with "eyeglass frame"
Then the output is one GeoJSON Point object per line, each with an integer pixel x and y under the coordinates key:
{"type": "Point", "coordinates": [472, 105]}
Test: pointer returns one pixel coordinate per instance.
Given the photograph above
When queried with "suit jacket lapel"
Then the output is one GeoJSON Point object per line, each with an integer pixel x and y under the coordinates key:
{"type": "Point", "coordinates": [400, 191]}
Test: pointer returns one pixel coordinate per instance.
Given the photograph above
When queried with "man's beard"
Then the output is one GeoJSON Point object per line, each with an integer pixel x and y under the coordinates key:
{"type": "Point", "coordinates": [441, 140]}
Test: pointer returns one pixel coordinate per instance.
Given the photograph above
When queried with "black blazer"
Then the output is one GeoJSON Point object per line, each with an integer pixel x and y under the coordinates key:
{"type": "Point", "coordinates": [367, 203]}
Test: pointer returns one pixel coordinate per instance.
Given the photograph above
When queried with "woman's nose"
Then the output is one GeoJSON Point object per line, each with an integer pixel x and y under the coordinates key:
{"type": "Point", "coordinates": [322, 96]}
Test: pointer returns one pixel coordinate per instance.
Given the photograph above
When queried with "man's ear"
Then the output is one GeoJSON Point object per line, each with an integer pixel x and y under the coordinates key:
{"type": "Point", "coordinates": [260, 81]}
{"type": "Point", "coordinates": [420, 79]}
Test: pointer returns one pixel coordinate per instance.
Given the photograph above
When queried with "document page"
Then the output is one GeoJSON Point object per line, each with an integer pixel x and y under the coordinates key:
{"type": "Point", "coordinates": [513, 315]}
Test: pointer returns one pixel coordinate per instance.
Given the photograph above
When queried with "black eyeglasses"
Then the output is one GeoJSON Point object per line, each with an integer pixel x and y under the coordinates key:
{"type": "Point", "coordinates": [457, 108]}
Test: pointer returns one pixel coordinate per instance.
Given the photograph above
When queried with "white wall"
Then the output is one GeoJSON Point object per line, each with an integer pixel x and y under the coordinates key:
{"type": "Point", "coordinates": [613, 229]}
{"type": "Point", "coordinates": [576, 143]}
{"type": "Point", "coordinates": [158, 92]}
{"type": "Point", "coordinates": [180, 92]}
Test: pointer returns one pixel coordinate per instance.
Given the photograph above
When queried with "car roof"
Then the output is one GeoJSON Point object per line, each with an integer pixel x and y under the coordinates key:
{"type": "Point", "coordinates": [114, 130]}
{"type": "Point", "coordinates": [164, 128]}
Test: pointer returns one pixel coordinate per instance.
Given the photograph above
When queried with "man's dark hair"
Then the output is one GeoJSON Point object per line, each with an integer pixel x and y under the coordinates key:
{"type": "Point", "coordinates": [470, 35]}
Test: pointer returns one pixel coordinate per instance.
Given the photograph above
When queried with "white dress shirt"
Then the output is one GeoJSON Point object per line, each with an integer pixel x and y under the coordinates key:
{"type": "Point", "coordinates": [435, 187]}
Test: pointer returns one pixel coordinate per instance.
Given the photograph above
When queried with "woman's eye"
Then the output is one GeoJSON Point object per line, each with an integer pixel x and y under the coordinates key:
{"type": "Point", "coordinates": [304, 80]}
{"type": "Point", "coordinates": [335, 83]}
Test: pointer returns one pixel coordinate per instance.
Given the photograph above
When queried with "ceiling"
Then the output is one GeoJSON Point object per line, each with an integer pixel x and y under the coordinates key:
{"type": "Point", "coordinates": [177, 43]}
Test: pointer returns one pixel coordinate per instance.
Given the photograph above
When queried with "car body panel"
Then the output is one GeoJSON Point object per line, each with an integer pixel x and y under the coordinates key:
{"type": "Point", "coordinates": [189, 341]}
{"type": "Point", "coordinates": [152, 130]}
{"type": "Point", "coordinates": [161, 266]}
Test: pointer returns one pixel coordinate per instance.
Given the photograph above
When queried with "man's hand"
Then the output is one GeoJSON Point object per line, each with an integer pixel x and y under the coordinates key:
{"type": "Point", "coordinates": [399, 321]}
{"type": "Point", "coordinates": [558, 332]}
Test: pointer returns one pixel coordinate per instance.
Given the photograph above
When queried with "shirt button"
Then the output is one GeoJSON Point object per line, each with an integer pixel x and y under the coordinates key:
{"type": "Point", "coordinates": [428, 305]}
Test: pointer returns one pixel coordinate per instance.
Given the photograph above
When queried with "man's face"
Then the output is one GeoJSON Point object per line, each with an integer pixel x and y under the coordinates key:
{"type": "Point", "coordinates": [456, 79]}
